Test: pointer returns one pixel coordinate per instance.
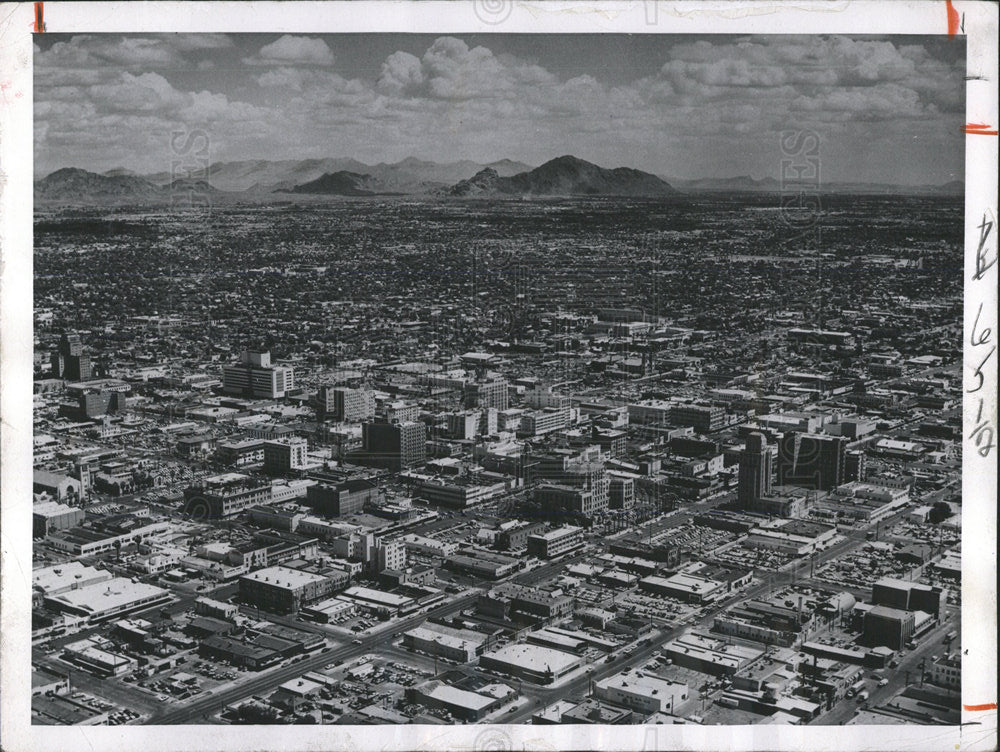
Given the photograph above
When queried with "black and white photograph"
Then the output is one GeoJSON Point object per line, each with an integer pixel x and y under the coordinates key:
{"type": "Point", "coordinates": [505, 379]}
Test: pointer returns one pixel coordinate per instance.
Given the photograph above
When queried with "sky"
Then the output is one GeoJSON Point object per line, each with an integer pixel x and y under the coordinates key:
{"type": "Point", "coordinates": [885, 109]}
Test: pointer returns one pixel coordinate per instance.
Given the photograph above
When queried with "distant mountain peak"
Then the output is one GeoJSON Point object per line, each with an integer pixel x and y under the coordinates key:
{"type": "Point", "coordinates": [567, 175]}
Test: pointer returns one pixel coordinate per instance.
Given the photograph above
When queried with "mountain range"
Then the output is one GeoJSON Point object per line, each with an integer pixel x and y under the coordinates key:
{"type": "Point", "coordinates": [260, 180]}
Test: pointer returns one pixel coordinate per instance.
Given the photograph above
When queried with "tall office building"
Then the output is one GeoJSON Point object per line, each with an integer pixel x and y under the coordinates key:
{"type": "Point", "coordinates": [486, 393]}
{"type": "Point", "coordinates": [394, 445]}
{"type": "Point", "coordinates": [70, 361]}
{"type": "Point", "coordinates": [346, 405]}
{"type": "Point", "coordinates": [755, 471]}
{"type": "Point", "coordinates": [254, 376]}
{"type": "Point", "coordinates": [284, 455]}
{"type": "Point", "coordinates": [812, 460]}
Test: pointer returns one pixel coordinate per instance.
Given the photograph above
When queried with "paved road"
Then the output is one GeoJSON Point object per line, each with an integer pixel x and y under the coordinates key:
{"type": "Point", "coordinates": [268, 680]}
{"type": "Point", "coordinates": [930, 644]}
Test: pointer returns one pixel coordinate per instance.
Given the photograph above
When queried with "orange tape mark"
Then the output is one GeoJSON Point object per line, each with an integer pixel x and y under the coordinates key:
{"type": "Point", "coordinates": [952, 19]}
{"type": "Point", "coordinates": [979, 129]}
{"type": "Point", "coordinates": [39, 18]}
{"type": "Point", "coordinates": [984, 706]}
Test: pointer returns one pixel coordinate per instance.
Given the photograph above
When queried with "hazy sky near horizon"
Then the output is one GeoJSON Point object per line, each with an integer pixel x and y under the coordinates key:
{"type": "Point", "coordinates": [886, 109]}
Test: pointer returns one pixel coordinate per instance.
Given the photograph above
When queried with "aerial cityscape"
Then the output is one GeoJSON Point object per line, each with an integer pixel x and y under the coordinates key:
{"type": "Point", "coordinates": [521, 439]}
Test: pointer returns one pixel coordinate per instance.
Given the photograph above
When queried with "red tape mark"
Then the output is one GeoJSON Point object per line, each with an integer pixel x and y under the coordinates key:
{"type": "Point", "coordinates": [984, 706]}
{"type": "Point", "coordinates": [952, 19]}
{"type": "Point", "coordinates": [979, 129]}
{"type": "Point", "coordinates": [39, 18]}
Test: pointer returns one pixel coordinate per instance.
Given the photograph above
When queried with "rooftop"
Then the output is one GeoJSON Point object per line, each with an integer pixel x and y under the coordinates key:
{"type": "Point", "coordinates": [284, 577]}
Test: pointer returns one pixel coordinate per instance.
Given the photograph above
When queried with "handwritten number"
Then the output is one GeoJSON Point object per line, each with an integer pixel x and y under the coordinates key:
{"type": "Point", "coordinates": [985, 227]}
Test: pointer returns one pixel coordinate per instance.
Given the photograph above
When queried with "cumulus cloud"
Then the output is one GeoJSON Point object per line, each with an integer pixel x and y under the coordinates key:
{"type": "Point", "coordinates": [290, 49]}
{"type": "Point", "coordinates": [703, 107]}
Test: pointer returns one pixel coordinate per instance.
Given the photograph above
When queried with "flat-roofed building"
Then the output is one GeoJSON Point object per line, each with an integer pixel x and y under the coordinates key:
{"type": "Point", "coordinates": [642, 692]}
{"type": "Point", "coordinates": [946, 671]}
{"type": "Point", "coordinates": [686, 586]}
{"type": "Point", "coordinates": [595, 712]}
{"type": "Point", "coordinates": [486, 393]}
{"type": "Point", "coordinates": [71, 575]}
{"type": "Point", "coordinates": [49, 516]}
{"type": "Point", "coordinates": [621, 492]}
{"type": "Point", "coordinates": [462, 645]}
{"type": "Point", "coordinates": [702, 418]}
{"type": "Point", "coordinates": [907, 595]}
{"type": "Point", "coordinates": [46, 681]}
{"type": "Point", "coordinates": [62, 710]}
{"type": "Point", "coordinates": [105, 600]}
{"type": "Point", "coordinates": [460, 494]}
{"type": "Point", "coordinates": [225, 495]}
{"type": "Point", "coordinates": [341, 499]}
{"type": "Point", "coordinates": [463, 704]}
{"type": "Point", "coordinates": [891, 627]}
{"type": "Point", "coordinates": [394, 445]}
{"type": "Point", "coordinates": [284, 590]}
{"type": "Point", "coordinates": [544, 421]}
{"type": "Point", "coordinates": [534, 663]}
{"type": "Point", "coordinates": [710, 655]}
{"type": "Point", "coordinates": [380, 600]}
{"type": "Point", "coordinates": [99, 657]}
{"type": "Point", "coordinates": [514, 537]}
{"type": "Point", "coordinates": [254, 376]}
{"type": "Point", "coordinates": [492, 566]}
{"type": "Point", "coordinates": [555, 542]}
{"type": "Point", "coordinates": [239, 453]}
{"type": "Point", "coordinates": [345, 405]}
{"type": "Point", "coordinates": [285, 454]}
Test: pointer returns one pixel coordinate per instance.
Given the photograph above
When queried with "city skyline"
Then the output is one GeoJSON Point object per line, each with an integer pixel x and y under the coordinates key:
{"type": "Point", "coordinates": [887, 110]}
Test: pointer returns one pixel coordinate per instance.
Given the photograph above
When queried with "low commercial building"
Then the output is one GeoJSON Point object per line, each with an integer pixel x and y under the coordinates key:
{"type": "Point", "coordinates": [463, 704]}
{"type": "Point", "coordinates": [421, 544]}
{"type": "Point", "coordinates": [284, 590]}
{"type": "Point", "coordinates": [459, 494]}
{"type": "Point", "coordinates": [594, 712]}
{"type": "Point", "coordinates": [490, 566]}
{"type": "Point", "coordinates": [685, 586]}
{"type": "Point", "coordinates": [513, 536]}
{"type": "Point", "coordinates": [89, 540]}
{"type": "Point", "coordinates": [240, 652]}
{"type": "Point", "coordinates": [45, 681]}
{"type": "Point", "coordinates": [61, 710]}
{"type": "Point", "coordinates": [642, 692]}
{"type": "Point", "coordinates": [71, 575]}
{"type": "Point", "coordinates": [99, 657]}
{"type": "Point", "coordinates": [341, 499]}
{"type": "Point", "coordinates": [533, 663]}
{"type": "Point", "coordinates": [793, 537]}
{"type": "Point", "coordinates": [105, 600]}
{"type": "Point", "coordinates": [555, 542]}
{"type": "Point", "coordinates": [379, 600]}
{"type": "Point", "coordinates": [49, 516]}
{"type": "Point", "coordinates": [462, 645]}
{"type": "Point", "coordinates": [946, 671]}
{"type": "Point", "coordinates": [710, 655]}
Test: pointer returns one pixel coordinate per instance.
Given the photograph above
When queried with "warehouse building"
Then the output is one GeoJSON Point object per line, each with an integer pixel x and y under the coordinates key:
{"type": "Point", "coordinates": [105, 600]}
{"type": "Point", "coordinates": [642, 692]}
{"type": "Point", "coordinates": [533, 663]}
